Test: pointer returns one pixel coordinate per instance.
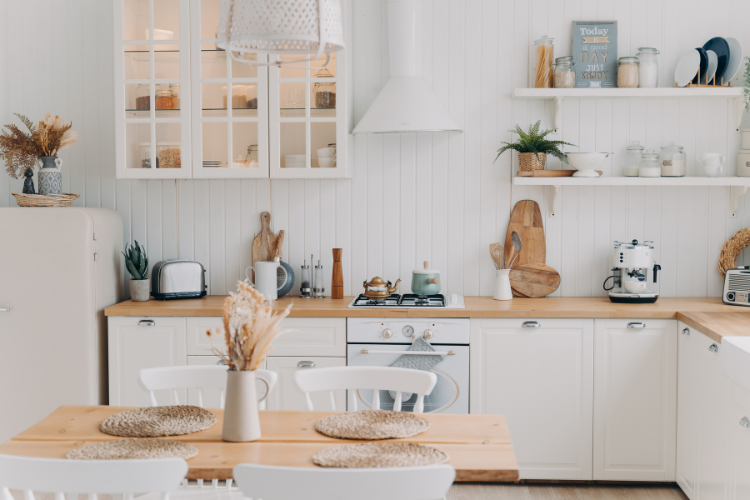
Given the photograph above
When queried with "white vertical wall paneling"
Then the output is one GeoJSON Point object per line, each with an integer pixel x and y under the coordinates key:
{"type": "Point", "coordinates": [424, 200]}
{"type": "Point", "coordinates": [4, 89]}
{"type": "Point", "coordinates": [407, 219]}
{"type": "Point", "coordinates": [391, 207]}
{"type": "Point", "coordinates": [374, 201]}
{"type": "Point", "coordinates": [669, 241]}
{"type": "Point", "coordinates": [327, 228]}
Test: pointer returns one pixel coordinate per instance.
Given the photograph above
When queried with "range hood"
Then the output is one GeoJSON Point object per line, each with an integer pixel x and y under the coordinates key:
{"type": "Point", "coordinates": [406, 103]}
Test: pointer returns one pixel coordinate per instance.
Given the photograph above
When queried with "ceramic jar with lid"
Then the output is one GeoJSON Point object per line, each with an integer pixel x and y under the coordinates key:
{"type": "Point", "coordinates": [565, 73]}
{"type": "Point", "coordinates": [650, 165]}
{"type": "Point", "coordinates": [673, 162]}
{"type": "Point", "coordinates": [648, 67]}
{"type": "Point", "coordinates": [324, 92]}
{"type": "Point", "coordinates": [627, 72]}
{"type": "Point", "coordinates": [544, 53]}
{"type": "Point", "coordinates": [633, 155]}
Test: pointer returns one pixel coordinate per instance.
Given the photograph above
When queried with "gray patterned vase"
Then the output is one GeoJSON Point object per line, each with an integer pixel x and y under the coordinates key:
{"type": "Point", "coordinates": [50, 178]}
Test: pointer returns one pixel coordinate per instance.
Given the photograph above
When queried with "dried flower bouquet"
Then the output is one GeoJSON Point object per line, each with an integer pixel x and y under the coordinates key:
{"type": "Point", "coordinates": [250, 325]}
{"type": "Point", "coordinates": [20, 149]}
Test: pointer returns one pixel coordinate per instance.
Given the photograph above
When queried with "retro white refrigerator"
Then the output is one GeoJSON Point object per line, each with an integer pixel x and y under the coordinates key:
{"type": "Point", "coordinates": [59, 269]}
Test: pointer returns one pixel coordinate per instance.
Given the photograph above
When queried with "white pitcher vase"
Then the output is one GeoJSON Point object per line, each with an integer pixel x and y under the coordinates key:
{"type": "Point", "coordinates": [241, 420]}
{"type": "Point", "coordinates": [502, 285]}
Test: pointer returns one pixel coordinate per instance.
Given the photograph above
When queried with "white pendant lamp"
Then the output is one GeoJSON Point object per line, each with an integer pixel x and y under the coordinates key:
{"type": "Point", "coordinates": [406, 103]}
{"type": "Point", "coordinates": [300, 27]}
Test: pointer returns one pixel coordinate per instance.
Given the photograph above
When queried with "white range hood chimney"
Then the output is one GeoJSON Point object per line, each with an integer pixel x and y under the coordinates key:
{"type": "Point", "coordinates": [406, 103]}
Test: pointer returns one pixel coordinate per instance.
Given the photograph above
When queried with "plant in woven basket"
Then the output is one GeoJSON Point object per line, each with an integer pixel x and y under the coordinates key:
{"type": "Point", "coordinates": [136, 261]}
{"type": "Point", "coordinates": [250, 325]}
{"type": "Point", "coordinates": [21, 149]}
{"type": "Point", "coordinates": [535, 142]}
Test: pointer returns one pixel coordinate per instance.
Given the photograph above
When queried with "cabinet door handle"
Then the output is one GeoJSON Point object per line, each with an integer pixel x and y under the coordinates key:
{"type": "Point", "coordinates": [745, 422]}
{"type": "Point", "coordinates": [4, 309]}
{"type": "Point", "coordinates": [530, 324]}
{"type": "Point", "coordinates": [636, 324]}
{"type": "Point", "coordinates": [147, 322]}
{"type": "Point", "coordinates": [686, 331]}
{"type": "Point", "coordinates": [306, 364]}
{"type": "Point", "coordinates": [713, 348]}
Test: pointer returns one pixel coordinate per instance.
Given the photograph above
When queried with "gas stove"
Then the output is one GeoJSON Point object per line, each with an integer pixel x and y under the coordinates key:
{"type": "Point", "coordinates": [410, 300]}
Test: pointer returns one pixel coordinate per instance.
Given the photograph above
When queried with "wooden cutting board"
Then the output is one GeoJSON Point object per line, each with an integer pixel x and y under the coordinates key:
{"type": "Point", "coordinates": [526, 220]}
{"type": "Point", "coordinates": [533, 280]}
{"type": "Point", "coordinates": [264, 244]}
{"type": "Point", "coordinates": [550, 173]}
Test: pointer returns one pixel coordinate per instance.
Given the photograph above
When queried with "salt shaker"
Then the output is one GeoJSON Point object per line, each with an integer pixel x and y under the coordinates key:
{"type": "Point", "coordinates": [305, 290]}
{"type": "Point", "coordinates": [318, 290]}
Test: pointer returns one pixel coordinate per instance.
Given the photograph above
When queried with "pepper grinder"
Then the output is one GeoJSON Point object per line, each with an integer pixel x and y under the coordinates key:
{"type": "Point", "coordinates": [318, 283]}
{"type": "Point", "coordinates": [305, 290]}
{"type": "Point", "coordinates": [337, 279]}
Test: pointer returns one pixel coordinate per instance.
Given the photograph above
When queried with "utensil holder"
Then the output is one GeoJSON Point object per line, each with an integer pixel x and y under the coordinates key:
{"type": "Point", "coordinates": [502, 285]}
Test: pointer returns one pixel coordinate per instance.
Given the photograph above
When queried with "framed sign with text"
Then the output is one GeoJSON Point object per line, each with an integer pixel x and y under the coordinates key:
{"type": "Point", "coordinates": [595, 53]}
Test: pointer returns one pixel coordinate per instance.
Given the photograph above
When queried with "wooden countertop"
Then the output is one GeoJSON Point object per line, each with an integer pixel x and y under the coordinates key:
{"type": "Point", "coordinates": [718, 325]}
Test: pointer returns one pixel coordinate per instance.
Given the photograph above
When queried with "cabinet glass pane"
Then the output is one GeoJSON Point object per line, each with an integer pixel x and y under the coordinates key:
{"type": "Point", "coordinates": [245, 145]}
{"type": "Point", "coordinates": [136, 62]}
{"type": "Point", "coordinates": [137, 100]}
{"type": "Point", "coordinates": [214, 99]}
{"type": "Point", "coordinates": [138, 145]}
{"type": "Point", "coordinates": [241, 70]}
{"type": "Point", "coordinates": [167, 19]}
{"type": "Point", "coordinates": [293, 145]}
{"type": "Point", "coordinates": [322, 135]}
{"type": "Point", "coordinates": [168, 145]}
{"type": "Point", "coordinates": [135, 20]}
{"type": "Point", "coordinates": [166, 62]}
{"type": "Point", "coordinates": [292, 98]}
{"type": "Point", "coordinates": [317, 65]}
{"type": "Point", "coordinates": [215, 145]}
{"type": "Point", "coordinates": [209, 18]}
{"type": "Point", "coordinates": [213, 62]}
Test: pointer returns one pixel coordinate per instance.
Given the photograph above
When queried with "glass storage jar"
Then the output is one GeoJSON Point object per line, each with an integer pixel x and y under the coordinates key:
{"type": "Point", "coordinates": [633, 155]}
{"type": "Point", "coordinates": [251, 95]}
{"type": "Point", "coordinates": [164, 99]}
{"type": "Point", "coordinates": [544, 54]}
{"type": "Point", "coordinates": [627, 72]}
{"type": "Point", "coordinates": [143, 97]}
{"type": "Point", "coordinates": [565, 73]}
{"type": "Point", "coordinates": [649, 166]}
{"type": "Point", "coordinates": [144, 154]}
{"type": "Point", "coordinates": [673, 162]}
{"type": "Point", "coordinates": [648, 67]}
{"type": "Point", "coordinates": [168, 155]}
{"type": "Point", "coordinates": [175, 88]}
{"type": "Point", "coordinates": [324, 93]}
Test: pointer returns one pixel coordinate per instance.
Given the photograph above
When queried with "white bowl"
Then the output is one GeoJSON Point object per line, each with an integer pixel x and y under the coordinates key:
{"type": "Point", "coordinates": [326, 153]}
{"type": "Point", "coordinates": [325, 162]}
{"type": "Point", "coordinates": [635, 286]}
{"type": "Point", "coordinates": [295, 157]}
{"type": "Point", "coordinates": [586, 163]}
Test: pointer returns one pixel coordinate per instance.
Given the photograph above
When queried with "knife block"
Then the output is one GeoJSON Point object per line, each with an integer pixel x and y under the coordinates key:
{"type": "Point", "coordinates": [337, 280]}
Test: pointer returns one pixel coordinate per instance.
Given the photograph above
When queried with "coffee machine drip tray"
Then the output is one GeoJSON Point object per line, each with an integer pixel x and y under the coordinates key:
{"type": "Point", "coordinates": [633, 298]}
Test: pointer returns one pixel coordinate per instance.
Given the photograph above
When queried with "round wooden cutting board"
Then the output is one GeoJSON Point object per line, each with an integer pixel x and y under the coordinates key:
{"type": "Point", "coordinates": [533, 280]}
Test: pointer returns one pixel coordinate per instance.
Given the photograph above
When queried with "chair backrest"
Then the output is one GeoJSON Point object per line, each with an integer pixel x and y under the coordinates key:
{"type": "Point", "coordinates": [292, 483]}
{"type": "Point", "coordinates": [195, 377]}
{"type": "Point", "coordinates": [91, 477]}
{"type": "Point", "coordinates": [375, 378]}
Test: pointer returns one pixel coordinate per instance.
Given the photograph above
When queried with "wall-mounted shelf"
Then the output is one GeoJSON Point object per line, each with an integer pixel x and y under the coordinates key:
{"type": "Point", "coordinates": [558, 95]}
{"type": "Point", "coordinates": [738, 185]}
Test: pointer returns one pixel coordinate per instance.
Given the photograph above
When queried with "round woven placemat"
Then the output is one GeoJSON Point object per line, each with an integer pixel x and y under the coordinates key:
{"type": "Point", "coordinates": [158, 421]}
{"type": "Point", "coordinates": [134, 448]}
{"type": "Point", "coordinates": [379, 455]}
{"type": "Point", "coordinates": [372, 424]}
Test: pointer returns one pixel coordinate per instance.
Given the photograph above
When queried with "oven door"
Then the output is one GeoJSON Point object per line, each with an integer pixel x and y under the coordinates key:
{"type": "Point", "coordinates": [451, 392]}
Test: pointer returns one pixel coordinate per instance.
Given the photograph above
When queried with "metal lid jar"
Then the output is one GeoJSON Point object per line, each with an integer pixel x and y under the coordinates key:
{"type": "Point", "coordinates": [673, 162]}
{"type": "Point", "coordinates": [648, 67]}
{"type": "Point", "coordinates": [544, 55]}
{"type": "Point", "coordinates": [324, 93]}
{"type": "Point", "coordinates": [633, 155]}
{"type": "Point", "coordinates": [627, 72]}
{"type": "Point", "coordinates": [650, 165]}
{"type": "Point", "coordinates": [565, 73]}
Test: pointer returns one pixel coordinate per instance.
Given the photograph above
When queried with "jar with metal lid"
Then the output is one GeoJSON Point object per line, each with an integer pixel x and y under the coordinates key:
{"type": "Point", "coordinates": [324, 93]}
{"type": "Point", "coordinates": [648, 67]}
{"type": "Point", "coordinates": [565, 73]}
{"type": "Point", "coordinates": [633, 155]}
{"type": "Point", "coordinates": [164, 99]}
{"type": "Point", "coordinates": [143, 97]}
{"type": "Point", "coordinates": [650, 165]}
{"type": "Point", "coordinates": [627, 72]}
{"type": "Point", "coordinates": [544, 55]}
{"type": "Point", "coordinates": [175, 88]}
{"type": "Point", "coordinates": [673, 162]}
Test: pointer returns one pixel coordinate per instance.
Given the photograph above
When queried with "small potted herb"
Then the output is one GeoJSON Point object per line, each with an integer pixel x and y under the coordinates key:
{"type": "Point", "coordinates": [533, 147]}
{"type": "Point", "coordinates": [137, 263]}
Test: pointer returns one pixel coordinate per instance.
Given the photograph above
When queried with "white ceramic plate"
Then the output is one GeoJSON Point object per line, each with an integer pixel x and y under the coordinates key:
{"type": "Point", "coordinates": [687, 68]}
{"type": "Point", "coordinates": [713, 63]}
{"type": "Point", "coordinates": [735, 59]}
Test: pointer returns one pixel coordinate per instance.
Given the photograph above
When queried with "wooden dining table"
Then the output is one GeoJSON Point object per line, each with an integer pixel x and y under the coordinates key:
{"type": "Point", "coordinates": [478, 446]}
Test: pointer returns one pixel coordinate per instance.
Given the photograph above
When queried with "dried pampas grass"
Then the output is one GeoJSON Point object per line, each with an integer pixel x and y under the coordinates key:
{"type": "Point", "coordinates": [250, 325]}
{"type": "Point", "coordinates": [21, 150]}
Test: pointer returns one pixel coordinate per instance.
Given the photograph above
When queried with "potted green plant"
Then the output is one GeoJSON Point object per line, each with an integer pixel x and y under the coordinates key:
{"type": "Point", "coordinates": [533, 147]}
{"type": "Point", "coordinates": [137, 263]}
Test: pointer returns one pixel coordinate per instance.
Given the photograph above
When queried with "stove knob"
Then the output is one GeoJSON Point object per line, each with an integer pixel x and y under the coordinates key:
{"type": "Point", "coordinates": [428, 334]}
{"type": "Point", "coordinates": [387, 333]}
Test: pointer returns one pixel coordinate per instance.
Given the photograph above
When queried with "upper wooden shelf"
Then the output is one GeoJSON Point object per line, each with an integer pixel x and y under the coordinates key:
{"type": "Point", "coordinates": [657, 93]}
{"type": "Point", "coordinates": [631, 181]}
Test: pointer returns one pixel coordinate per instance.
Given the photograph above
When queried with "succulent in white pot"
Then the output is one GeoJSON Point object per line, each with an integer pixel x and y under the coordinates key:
{"type": "Point", "coordinates": [136, 261]}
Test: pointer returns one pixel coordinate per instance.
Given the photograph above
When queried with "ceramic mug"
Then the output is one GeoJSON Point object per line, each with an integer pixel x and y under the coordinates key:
{"type": "Point", "coordinates": [266, 280]}
{"type": "Point", "coordinates": [713, 159]}
{"type": "Point", "coordinates": [713, 170]}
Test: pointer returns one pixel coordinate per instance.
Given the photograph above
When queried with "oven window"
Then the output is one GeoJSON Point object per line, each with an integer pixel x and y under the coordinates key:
{"type": "Point", "coordinates": [442, 397]}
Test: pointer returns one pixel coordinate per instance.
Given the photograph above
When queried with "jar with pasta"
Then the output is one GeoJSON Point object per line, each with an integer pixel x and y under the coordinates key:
{"type": "Point", "coordinates": [543, 57]}
{"type": "Point", "coordinates": [565, 73]}
{"type": "Point", "coordinates": [627, 72]}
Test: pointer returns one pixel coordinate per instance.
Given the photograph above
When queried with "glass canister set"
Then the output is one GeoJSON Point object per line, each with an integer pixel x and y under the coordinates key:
{"type": "Point", "coordinates": [640, 162]}
{"type": "Point", "coordinates": [639, 71]}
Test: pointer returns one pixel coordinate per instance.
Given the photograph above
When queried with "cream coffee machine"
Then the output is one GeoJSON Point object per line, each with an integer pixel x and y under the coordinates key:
{"type": "Point", "coordinates": [631, 263]}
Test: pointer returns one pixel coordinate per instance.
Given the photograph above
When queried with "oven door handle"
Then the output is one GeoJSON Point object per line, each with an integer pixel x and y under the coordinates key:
{"type": "Point", "coordinates": [414, 353]}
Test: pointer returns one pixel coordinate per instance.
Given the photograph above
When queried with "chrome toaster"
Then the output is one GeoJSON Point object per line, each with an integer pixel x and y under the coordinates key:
{"type": "Point", "coordinates": [178, 279]}
{"type": "Point", "coordinates": [737, 287]}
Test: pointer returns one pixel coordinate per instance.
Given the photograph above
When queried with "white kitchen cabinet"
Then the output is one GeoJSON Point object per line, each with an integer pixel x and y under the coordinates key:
{"type": "Point", "coordinates": [286, 396]}
{"type": "Point", "coordinates": [687, 409]}
{"type": "Point", "coordinates": [635, 398]}
{"type": "Point", "coordinates": [738, 438]}
{"type": "Point", "coordinates": [136, 343]}
{"type": "Point", "coordinates": [538, 373]}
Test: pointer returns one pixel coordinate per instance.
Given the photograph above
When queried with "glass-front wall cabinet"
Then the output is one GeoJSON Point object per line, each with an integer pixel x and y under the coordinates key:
{"type": "Point", "coordinates": [187, 110]}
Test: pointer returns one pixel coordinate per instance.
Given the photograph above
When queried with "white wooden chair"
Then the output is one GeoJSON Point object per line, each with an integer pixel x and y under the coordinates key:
{"type": "Point", "coordinates": [375, 378]}
{"type": "Point", "coordinates": [197, 377]}
{"type": "Point", "coordinates": [429, 482]}
{"type": "Point", "coordinates": [89, 477]}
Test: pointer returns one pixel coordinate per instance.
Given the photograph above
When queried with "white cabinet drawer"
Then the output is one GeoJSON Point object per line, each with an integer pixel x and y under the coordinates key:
{"type": "Point", "coordinates": [306, 337]}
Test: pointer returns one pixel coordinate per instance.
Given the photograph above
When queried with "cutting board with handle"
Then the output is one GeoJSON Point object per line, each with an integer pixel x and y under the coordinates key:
{"type": "Point", "coordinates": [526, 220]}
{"type": "Point", "coordinates": [533, 280]}
{"type": "Point", "coordinates": [264, 244]}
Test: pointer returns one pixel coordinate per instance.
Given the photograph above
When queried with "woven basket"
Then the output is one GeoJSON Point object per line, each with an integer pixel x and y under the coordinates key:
{"type": "Point", "coordinates": [528, 161]}
{"type": "Point", "coordinates": [37, 200]}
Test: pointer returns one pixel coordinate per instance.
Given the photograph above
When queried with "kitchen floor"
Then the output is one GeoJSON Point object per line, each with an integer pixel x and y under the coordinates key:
{"type": "Point", "coordinates": [488, 491]}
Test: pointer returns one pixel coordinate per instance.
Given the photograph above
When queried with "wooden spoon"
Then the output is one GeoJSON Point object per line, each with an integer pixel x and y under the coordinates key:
{"type": "Point", "coordinates": [497, 254]}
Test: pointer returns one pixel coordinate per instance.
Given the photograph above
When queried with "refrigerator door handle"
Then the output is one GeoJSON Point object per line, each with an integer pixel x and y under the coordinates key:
{"type": "Point", "coordinates": [4, 309]}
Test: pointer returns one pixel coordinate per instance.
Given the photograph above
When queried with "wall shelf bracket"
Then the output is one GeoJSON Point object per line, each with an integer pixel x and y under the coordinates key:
{"type": "Point", "coordinates": [739, 110]}
{"type": "Point", "coordinates": [557, 114]}
{"type": "Point", "coordinates": [555, 200]}
{"type": "Point", "coordinates": [734, 198]}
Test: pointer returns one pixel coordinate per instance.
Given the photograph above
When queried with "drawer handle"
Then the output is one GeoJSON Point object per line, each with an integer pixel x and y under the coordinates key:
{"type": "Point", "coordinates": [713, 348]}
{"type": "Point", "coordinates": [745, 422]}
{"type": "Point", "coordinates": [686, 331]}
{"type": "Point", "coordinates": [306, 364]}
{"type": "Point", "coordinates": [147, 322]}
{"type": "Point", "coordinates": [637, 324]}
{"type": "Point", "coordinates": [4, 309]}
{"type": "Point", "coordinates": [530, 324]}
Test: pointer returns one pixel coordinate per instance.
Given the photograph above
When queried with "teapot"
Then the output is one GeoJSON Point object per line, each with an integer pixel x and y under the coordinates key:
{"type": "Point", "coordinates": [379, 289]}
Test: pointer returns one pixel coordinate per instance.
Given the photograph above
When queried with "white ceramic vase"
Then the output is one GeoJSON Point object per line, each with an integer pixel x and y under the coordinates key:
{"type": "Point", "coordinates": [502, 285]}
{"type": "Point", "coordinates": [241, 420]}
{"type": "Point", "coordinates": [140, 290]}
